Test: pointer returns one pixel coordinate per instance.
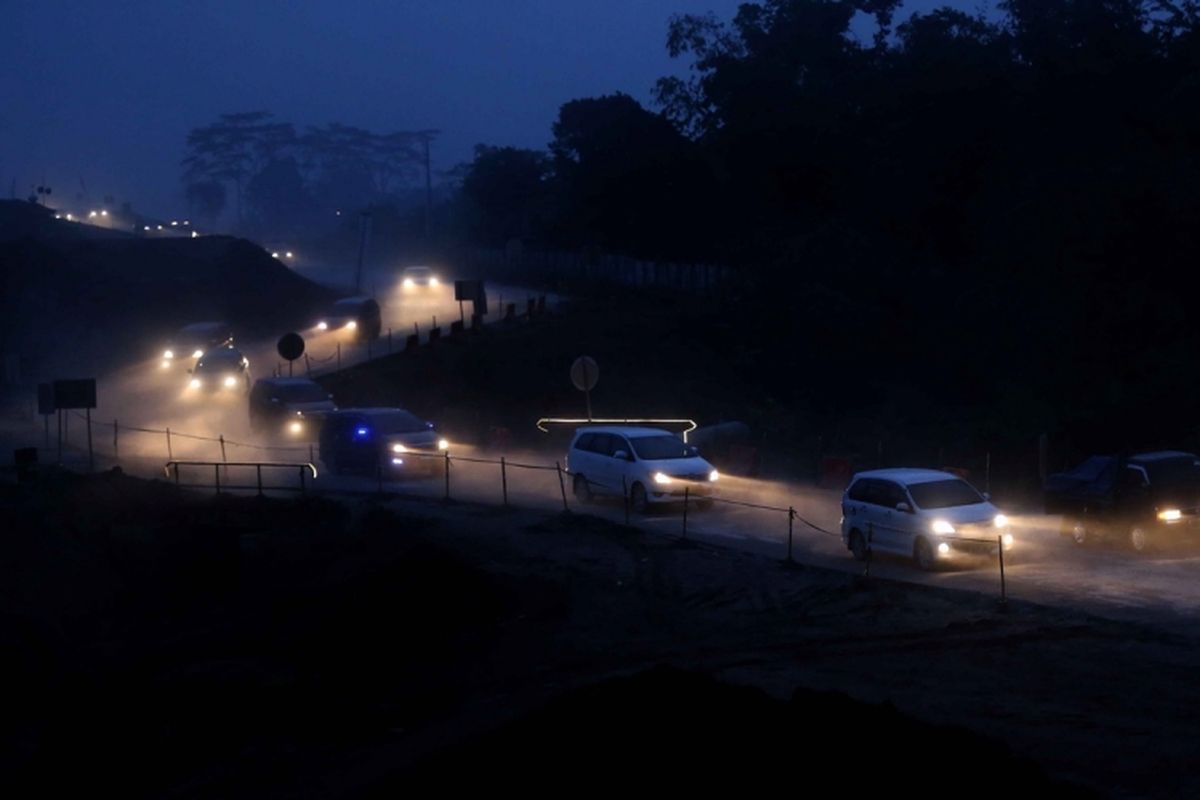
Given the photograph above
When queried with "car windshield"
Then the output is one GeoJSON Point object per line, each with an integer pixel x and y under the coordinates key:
{"type": "Point", "coordinates": [1173, 474]}
{"type": "Point", "coordinates": [303, 393]}
{"type": "Point", "coordinates": [418, 272]}
{"type": "Point", "coordinates": [398, 422]}
{"type": "Point", "coordinates": [655, 448]}
{"type": "Point", "coordinates": [347, 306]}
{"type": "Point", "coordinates": [220, 359]}
{"type": "Point", "coordinates": [943, 494]}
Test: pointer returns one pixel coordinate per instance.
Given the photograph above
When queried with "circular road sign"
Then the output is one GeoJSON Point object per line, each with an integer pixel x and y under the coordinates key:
{"type": "Point", "coordinates": [585, 373]}
{"type": "Point", "coordinates": [291, 346]}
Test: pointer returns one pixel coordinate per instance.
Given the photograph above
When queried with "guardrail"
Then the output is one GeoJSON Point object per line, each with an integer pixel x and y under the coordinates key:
{"type": "Point", "coordinates": [302, 468]}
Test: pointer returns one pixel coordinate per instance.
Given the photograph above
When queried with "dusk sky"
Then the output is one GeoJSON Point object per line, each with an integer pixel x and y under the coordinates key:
{"type": "Point", "coordinates": [105, 93]}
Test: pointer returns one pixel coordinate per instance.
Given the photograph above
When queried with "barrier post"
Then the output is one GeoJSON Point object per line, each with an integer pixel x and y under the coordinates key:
{"type": "Point", "coordinates": [116, 448]}
{"type": "Point", "coordinates": [221, 439]}
{"type": "Point", "coordinates": [504, 480]}
{"type": "Point", "coordinates": [562, 485]}
{"type": "Point", "coordinates": [176, 474]}
{"type": "Point", "coordinates": [170, 456]}
{"type": "Point", "coordinates": [91, 454]}
{"type": "Point", "coordinates": [625, 496]}
{"type": "Point", "coordinates": [446, 460]}
{"type": "Point", "coordinates": [791, 524]}
{"type": "Point", "coordinates": [686, 494]}
{"type": "Point", "coordinates": [307, 365]}
{"type": "Point", "coordinates": [1003, 589]}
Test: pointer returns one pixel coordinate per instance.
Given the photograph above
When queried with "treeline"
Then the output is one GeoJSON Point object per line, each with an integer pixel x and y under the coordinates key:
{"type": "Point", "coordinates": [990, 216]}
{"type": "Point", "coordinates": [276, 181]}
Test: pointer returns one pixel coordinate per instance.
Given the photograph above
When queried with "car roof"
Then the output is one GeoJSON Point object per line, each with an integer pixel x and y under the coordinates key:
{"type": "Point", "coordinates": [632, 431]}
{"type": "Point", "coordinates": [203, 327]}
{"type": "Point", "coordinates": [346, 301]}
{"type": "Point", "coordinates": [287, 381]}
{"type": "Point", "coordinates": [1161, 455]}
{"type": "Point", "coordinates": [908, 475]}
{"type": "Point", "coordinates": [223, 354]}
{"type": "Point", "coordinates": [370, 412]}
{"type": "Point", "coordinates": [418, 269]}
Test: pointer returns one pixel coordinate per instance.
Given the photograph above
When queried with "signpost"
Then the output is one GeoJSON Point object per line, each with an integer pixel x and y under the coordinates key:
{"type": "Point", "coordinates": [65, 395]}
{"type": "Point", "coordinates": [470, 290]}
{"type": "Point", "coordinates": [584, 374]}
{"type": "Point", "coordinates": [290, 347]}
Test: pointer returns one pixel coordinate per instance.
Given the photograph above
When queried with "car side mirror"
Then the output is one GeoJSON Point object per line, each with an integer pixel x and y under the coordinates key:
{"type": "Point", "coordinates": [905, 507]}
{"type": "Point", "coordinates": [621, 454]}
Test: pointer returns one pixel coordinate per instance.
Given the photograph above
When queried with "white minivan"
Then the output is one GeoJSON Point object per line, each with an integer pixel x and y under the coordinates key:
{"type": "Point", "coordinates": [650, 464]}
{"type": "Point", "coordinates": [926, 514]}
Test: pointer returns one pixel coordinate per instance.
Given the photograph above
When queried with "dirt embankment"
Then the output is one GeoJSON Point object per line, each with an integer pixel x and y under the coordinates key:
{"type": "Point", "coordinates": [80, 300]}
{"type": "Point", "coordinates": [251, 647]}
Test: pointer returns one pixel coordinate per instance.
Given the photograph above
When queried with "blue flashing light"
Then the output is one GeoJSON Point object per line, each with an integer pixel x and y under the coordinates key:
{"type": "Point", "coordinates": [362, 433]}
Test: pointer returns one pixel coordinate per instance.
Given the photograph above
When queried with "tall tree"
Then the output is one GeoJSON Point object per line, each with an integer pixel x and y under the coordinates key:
{"type": "Point", "coordinates": [235, 148]}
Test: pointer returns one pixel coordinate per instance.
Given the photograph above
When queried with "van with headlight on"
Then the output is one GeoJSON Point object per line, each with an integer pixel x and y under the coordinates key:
{"type": "Point", "coordinates": [358, 316]}
{"type": "Point", "coordinates": [414, 277]}
{"type": "Point", "coordinates": [652, 465]}
{"type": "Point", "coordinates": [371, 441]}
{"type": "Point", "coordinates": [923, 514]}
{"type": "Point", "coordinates": [223, 370]}
{"type": "Point", "coordinates": [193, 341]}
{"type": "Point", "coordinates": [291, 408]}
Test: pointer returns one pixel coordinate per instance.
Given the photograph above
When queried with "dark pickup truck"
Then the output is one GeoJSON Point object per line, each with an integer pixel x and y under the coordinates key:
{"type": "Point", "coordinates": [1145, 500]}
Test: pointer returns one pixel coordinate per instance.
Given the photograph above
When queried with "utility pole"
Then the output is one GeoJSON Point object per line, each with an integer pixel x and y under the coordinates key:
{"type": "Point", "coordinates": [428, 190]}
{"type": "Point", "coordinates": [364, 232]}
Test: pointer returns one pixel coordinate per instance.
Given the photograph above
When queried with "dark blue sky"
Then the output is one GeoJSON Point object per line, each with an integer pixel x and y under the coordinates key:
{"type": "Point", "coordinates": [106, 91]}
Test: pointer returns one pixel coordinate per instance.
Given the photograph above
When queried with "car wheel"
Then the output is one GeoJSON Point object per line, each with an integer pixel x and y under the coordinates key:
{"type": "Point", "coordinates": [583, 489]}
{"type": "Point", "coordinates": [923, 554]}
{"type": "Point", "coordinates": [858, 546]}
{"type": "Point", "coordinates": [1138, 539]}
{"type": "Point", "coordinates": [637, 498]}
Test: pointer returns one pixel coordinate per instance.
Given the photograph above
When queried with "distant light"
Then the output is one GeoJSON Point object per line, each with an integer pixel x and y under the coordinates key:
{"type": "Point", "coordinates": [443, 444]}
{"type": "Point", "coordinates": [322, 326]}
{"type": "Point", "coordinates": [274, 254]}
{"type": "Point", "coordinates": [361, 433]}
{"type": "Point", "coordinates": [398, 462]}
{"type": "Point", "coordinates": [1007, 540]}
{"type": "Point", "coordinates": [70, 218]}
{"type": "Point", "coordinates": [104, 212]}
{"type": "Point", "coordinates": [91, 214]}
{"type": "Point", "coordinates": [288, 254]}
{"type": "Point", "coordinates": [399, 448]}
{"type": "Point", "coordinates": [168, 353]}
{"type": "Point", "coordinates": [714, 475]}
{"type": "Point", "coordinates": [174, 222]}
{"type": "Point", "coordinates": [408, 283]}
{"type": "Point", "coordinates": [146, 227]}
{"type": "Point", "coordinates": [351, 325]}
{"type": "Point", "coordinates": [230, 381]}
{"type": "Point", "coordinates": [58, 216]}
{"type": "Point", "coordinates": [339, 213]}
{"type": "Point", "coordinates": [197, 353]}
{"type": "Point", "coordinates": [160, 227]}
{"type": "Point", "coordinates": [165, 364]}
{"type": "Point", "coordinates": [187, 222]}
{"type": "Point", "coordinates": [433, 281]}
{"type": "Point", "coordinates": [296, 427]}
{"type": "Point", "coordinates": [194, 234]}
{"type": "Point", "coordinates": [194, 383]}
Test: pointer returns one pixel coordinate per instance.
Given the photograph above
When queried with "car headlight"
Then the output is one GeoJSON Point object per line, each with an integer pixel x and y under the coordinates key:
{"type": "Point", "coordinates": [1007, 539]}
{"type": "Point", "coordinates": [433, 281]}
{"type": "Point", "coordinates": [408, 283]}
{"type": "Point", "coordinates": [943, 548]}
{"type": "Point", "coordinates": [443, 444]}
{"type": "Point", "coordinates": [296, 427]}
{"type": "Point", "coordinates": [230, 381]}
{"type": "Point", "coordinates": [662, 478]}
{"type": "Point", "coordinates": [351, 325]}
{"type": "Point", "coordinates": [168, 353]}
{"type": "Point", "coordinates": [712, 476]}
{"type": "Point", "coordinates": [1170, 515]}
{"type": "Point", "coordinates": [322, 326]}
{"type": "Point", "coordinates": [197, 353]}
{"type": "Point", "coordinates": [941, 526]}
{"type": "Point", "coordinates": [165, 364]}
{"type": "Point", "coordinates": [399, 448]}
{"type": "Point", "coordinates": [1001, 521]}
{"type": "Point", "coordinates": [194, 383]}
{"type": "Point", "coordinates": [399, 462]}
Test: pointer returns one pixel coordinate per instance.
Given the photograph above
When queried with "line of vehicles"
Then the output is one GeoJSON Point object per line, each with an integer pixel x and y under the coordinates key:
{"type": "Point", "coordinates": [930, 516]}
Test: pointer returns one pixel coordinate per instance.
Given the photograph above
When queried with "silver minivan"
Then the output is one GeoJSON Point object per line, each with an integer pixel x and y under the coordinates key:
{"type": "Point", "coordinates": [651, 465]}
{"type": "Point", "coordinates": [925, 514]}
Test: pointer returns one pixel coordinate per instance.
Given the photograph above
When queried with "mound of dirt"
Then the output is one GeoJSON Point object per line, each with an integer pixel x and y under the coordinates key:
{"type": "Point", "coordinates": [78, 299]}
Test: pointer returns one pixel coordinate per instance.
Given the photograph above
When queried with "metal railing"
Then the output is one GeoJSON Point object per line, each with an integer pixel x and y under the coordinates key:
{"type": "Point", "coordinates": [302, 469]}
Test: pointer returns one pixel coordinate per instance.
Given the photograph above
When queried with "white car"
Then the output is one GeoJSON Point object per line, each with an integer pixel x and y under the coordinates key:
{"type": "Point", "coordinates": [652, 465]}
{"type": "Point", "coordinates": [418, 276]}
{"type": "Point", "coordinates": [926, 514]}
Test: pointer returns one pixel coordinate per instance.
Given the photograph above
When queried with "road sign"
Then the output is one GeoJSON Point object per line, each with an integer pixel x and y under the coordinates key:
{"type": "Point", "coordinates": [585, 373]}
{"type": "Point", "coordinates": [46, 399]}
{"type": "Point", "coordinates": [80, 393]}
{"type": "Point", "coordinates": [290, 346]}
{"type": "Point", "coordinates": [467, 290]}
